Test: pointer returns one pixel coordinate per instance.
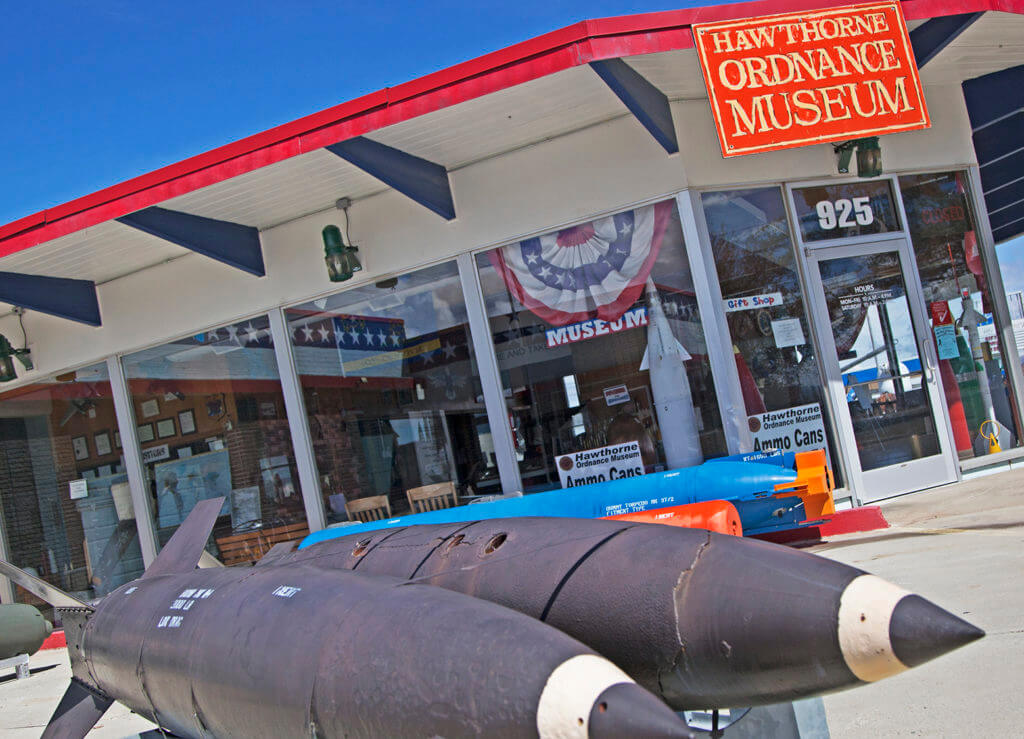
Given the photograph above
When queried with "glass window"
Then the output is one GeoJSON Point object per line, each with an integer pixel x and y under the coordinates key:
{"type": "Point", "coordinates": [971, 360]}
{"type": "Point", "coordinates": [892, 416]}
{"type": "Point", "coordinates": [211, 421]}
{"type": "Point", "coordinates": [764, 307]}
{"type": "Point", "coordinates": [842, 211]}
{"type": "Point", "coordinates": [67, 510]}
{"type": "Point", "coordinates": [599, 343]}
{"type": "Point", "coordinates": [393, 395]}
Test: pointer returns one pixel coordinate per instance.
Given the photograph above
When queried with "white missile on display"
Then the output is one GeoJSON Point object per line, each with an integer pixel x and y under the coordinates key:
{"type": "Point", "coordinates": [670, 387]}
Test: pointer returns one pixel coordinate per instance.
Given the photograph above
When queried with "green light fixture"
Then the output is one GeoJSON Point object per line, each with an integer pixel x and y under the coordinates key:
{"type": "Point", "coordinates": [7, 354]}
{"type": "Point", "coordinates": [340, 257]}
{"type": "Point", "coordinates": [869, 156]}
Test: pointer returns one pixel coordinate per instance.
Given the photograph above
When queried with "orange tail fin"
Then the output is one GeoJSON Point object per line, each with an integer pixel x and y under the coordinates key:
{"type": "Point", "coordinates": [813, 485]}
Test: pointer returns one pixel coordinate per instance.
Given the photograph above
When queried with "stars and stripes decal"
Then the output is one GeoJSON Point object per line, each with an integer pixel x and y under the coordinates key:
{"type": "Point", "coordinates": [596, 268]}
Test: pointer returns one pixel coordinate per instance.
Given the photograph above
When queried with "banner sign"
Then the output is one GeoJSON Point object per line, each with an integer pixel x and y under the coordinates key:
{"type": "Point", "coordinates": [614, 462]}
{"type": "Point", "coordinates": [797, 79]}
{"type": "Point", "coordinates": [796, 429]}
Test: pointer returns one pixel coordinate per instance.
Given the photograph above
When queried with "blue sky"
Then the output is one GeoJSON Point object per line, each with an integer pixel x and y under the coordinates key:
{"type": "Point", "coordinates": [98, 91]}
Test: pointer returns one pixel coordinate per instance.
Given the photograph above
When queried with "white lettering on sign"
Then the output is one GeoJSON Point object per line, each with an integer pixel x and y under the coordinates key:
{"type": "Point", "coordinates": [596, 327]}
{"type": "Point", "coordinates": [614, 462]}
{"type": "Point", "coordinates": [796, 429]}
{"type": "Point", "coordinates": [864, 296]}
{"type": "Point", "coordinates": [844, 213]}
{"type": "Point", "coordinates": [749, 302]}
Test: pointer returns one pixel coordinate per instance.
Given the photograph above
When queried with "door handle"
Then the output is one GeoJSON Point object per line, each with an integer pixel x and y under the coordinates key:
{"type": "Point", "coordinates": [927, 364]}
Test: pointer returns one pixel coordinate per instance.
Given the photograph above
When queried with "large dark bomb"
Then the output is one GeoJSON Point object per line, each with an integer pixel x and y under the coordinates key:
{"type": "Point", "coordinates": [703, 620]}
{"type": "Point", "coordinates": [299, 651]}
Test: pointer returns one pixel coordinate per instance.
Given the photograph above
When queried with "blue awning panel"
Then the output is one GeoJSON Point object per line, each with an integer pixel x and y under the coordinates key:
{"type": "Point", "coordinates": [995, 104]}
{"type": "Point", "coordinates": [58, 296]}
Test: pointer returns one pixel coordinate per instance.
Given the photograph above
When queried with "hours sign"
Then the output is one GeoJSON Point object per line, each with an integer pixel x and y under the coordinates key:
{"type": "Point", "coordinates": [795, 79]}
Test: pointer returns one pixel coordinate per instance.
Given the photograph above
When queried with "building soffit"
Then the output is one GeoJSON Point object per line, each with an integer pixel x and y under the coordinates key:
{"type": "Point", "coordinates": [530, 92]}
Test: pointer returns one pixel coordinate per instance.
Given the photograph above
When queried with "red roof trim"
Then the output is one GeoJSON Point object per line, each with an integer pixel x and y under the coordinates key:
{"type": "Point", "coordinates": [544, 55]}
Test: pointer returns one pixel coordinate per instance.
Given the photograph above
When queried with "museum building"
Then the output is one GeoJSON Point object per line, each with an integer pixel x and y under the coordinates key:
{"type": "Point", "coordinates": [433, 293]}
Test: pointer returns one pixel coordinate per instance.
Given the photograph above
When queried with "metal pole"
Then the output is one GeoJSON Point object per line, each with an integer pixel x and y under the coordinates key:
{"type": "Point", "coordinates": [298, 422]}
{"type": "Point", "coordinates": [490, 376]}
{"type": "Point", "coordinates": [6, 586]}
{"type": "Point", "coordinates": [133, 460]}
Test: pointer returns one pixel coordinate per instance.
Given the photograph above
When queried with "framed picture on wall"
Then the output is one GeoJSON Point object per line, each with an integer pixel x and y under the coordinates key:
{"type": "Point", "coordinates": [146, 432]}
{"type": "Point", "coordinates": [81, 447]}
{"type": "Point", "coordinates": [165, 427]}
{"type": "Point", "coordinates": [187, 422]}
{"type": "Point", "coordinates": [117, 439]}
{"type": "Point", "coordinates": [102, 441]}
{"type": "Point", "coordinates": [150, 408]}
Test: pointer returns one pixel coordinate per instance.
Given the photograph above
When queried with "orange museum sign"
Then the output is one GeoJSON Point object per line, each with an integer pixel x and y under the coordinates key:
{"type": "Point", "coordinates": [797, 79]}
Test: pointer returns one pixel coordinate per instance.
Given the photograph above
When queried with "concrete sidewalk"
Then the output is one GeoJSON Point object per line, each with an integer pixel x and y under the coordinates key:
{"type": "Point", "coordinates": [961, 546]}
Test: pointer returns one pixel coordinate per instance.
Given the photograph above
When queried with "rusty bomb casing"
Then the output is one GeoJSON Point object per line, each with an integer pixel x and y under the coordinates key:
{"type": "Point", "coordinates": [704, 620]}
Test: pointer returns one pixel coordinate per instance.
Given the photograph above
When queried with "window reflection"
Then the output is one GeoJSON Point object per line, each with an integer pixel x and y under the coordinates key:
{"type": "Point", "coordinates": [971, 360]}
{"type": "Point", "coordinates": [599, 342]}
{"type": "Point", "coordinates": [64, 494]}
{"type": "Point", "coordinates": [878, 357]}
{"type": "Point", "coordinates": [393, 395]}
{"type": "Point", "coordinates": [764, 305]}
{"type": "Point", "coordinates": [211, 421]}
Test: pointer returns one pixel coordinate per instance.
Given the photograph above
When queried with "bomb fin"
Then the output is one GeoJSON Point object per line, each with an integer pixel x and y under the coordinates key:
{"type": "Point", "coordinates": [78, 711]}
{"type": "Point", "coordinates": [278, 551]}
{"type": "Point", "coordinates": [814, 485]}
{"type": "Point", "coordinates": [40, 588]}
{"type": "Point", "coordinates": [181, 554]}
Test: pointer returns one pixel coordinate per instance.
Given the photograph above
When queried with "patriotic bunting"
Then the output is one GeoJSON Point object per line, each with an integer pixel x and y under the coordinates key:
{"type": "Point", "coordinates": [597, 268]}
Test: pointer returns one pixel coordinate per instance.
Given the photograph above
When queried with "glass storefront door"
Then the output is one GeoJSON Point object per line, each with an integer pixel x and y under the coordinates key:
{"type": "Point", "coordinates": [880, 367]}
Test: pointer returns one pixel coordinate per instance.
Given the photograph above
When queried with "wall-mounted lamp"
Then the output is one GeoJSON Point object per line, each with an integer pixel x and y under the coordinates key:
{"type": "Point", "coordinates": [339, 256]}
{"type": "Point", "coordinates": [7, 354]}
{"type": "Point", "coordinates": [869, 156]}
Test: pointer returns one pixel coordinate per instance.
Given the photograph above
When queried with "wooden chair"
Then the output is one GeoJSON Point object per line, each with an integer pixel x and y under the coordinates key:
{"type": "Point", "coordinates": [432, 497]}
{"type": "Point", "coordinates": [372, 508]}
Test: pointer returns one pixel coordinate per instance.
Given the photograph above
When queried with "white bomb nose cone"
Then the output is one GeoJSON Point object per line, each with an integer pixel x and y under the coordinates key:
{"type": "Point", "coordinates": [588, 696]}
{"type": "Point", "coordinates": [884, 629]}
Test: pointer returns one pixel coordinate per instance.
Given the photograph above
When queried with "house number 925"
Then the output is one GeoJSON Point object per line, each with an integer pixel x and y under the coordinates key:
{"type": "Point", "coordinates": [844, 213]}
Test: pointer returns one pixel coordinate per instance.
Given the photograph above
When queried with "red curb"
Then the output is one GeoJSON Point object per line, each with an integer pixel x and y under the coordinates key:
{"type": "Point", "coordinates": [865, 518]}
{"type": "Point", "coordinates": [55, 640]}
